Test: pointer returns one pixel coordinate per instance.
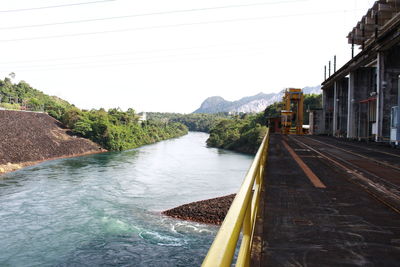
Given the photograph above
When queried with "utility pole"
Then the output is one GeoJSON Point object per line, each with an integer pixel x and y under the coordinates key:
{"type": "Point", "coordinates": [334, 64]}
{"type": "Point", "coordinates": [329, 68]}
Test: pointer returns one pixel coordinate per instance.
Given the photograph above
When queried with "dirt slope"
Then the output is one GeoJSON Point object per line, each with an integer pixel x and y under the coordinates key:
{"type": "Point", "coordinates": [27, 137]}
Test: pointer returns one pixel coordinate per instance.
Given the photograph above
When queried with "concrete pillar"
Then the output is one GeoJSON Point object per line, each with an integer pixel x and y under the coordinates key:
{"type": "Point", "coordinates": [361, 85]}
{"type": "Point", "coordinates": [342, 90]}
{"type": "Point", "coordinates": [328, 109]}
{"type": "Point", "coordinates": [390, 71]}
{"type": "Point", "coordinates": [335, 108]}
{"type": "Point", "coordinates": [350, 108]}
{"type": "Point", "coordinates": [324, 106]}
{"type": "Point", "coordinates": [380, 84]}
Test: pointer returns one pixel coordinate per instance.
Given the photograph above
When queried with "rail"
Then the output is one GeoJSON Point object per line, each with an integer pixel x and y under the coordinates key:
{"type": "Point", "coordinates": [241, 217]}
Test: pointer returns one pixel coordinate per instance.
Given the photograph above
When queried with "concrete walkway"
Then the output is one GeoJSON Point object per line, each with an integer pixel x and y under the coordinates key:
{"type": "Point", "coordinates": [318, 213]}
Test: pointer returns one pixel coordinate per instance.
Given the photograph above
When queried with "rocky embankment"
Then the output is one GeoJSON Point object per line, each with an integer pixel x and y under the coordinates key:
{"type": "Point", "coordinates": [211, 211]}
{"type": "Point", "coordinates": [27, 138]}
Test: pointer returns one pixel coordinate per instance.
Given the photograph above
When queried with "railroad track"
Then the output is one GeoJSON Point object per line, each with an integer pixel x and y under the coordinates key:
{"type": "Point", "coordinates": [382, 183]}
{"type": "Point", "coordinates": [363, 148]}
{"type": "Point", "coordinates": [392, 155]}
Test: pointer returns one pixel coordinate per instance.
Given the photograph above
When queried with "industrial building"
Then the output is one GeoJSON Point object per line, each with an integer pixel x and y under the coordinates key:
{"type": "Point", "coordinates": [361, 99]}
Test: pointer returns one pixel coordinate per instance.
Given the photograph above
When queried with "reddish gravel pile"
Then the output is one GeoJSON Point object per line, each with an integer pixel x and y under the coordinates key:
{"type": "Point", "coordinates": [32, 137]}
{"type": "Point", "coordinates": [211, 211]}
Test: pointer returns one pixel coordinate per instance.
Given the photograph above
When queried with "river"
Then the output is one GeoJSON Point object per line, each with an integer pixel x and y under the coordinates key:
{"type": "Point", "coordinates": [104, 209]}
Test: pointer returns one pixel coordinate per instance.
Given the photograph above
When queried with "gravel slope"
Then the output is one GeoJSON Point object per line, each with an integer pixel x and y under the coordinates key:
{"type": "Point", "coordinates": [211, 211]}
{"type": "Point", "coordinates": [33, 137]}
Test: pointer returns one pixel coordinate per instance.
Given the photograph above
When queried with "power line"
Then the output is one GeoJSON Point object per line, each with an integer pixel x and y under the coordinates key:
{"type": "Point", "coordinates": [42, 64]}
{"type": "Point", "coordinates": [171, 26]}
{"type": "Point", "coordinates": [113, 60]}
{"type": "Point", "coordinates": [148, 14]}
{"type": "Point", "coordinates": [93, 65]}
{"type": "Point", "coordinates": [56, 6]}
{"type": "Point", "coordinates": [127, 53]}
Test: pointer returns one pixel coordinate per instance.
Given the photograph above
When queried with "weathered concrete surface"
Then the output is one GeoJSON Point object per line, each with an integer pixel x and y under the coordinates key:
{"type": "Point", "coordinates": [341, 225]}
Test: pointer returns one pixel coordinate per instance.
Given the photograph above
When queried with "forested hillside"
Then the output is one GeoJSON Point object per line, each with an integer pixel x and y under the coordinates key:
{"type": "Point", "coordinates": [194, 121]}
{"type": "Point", "coordinates": [113, 129]}
{"type": "Point", "coordinates": [243, 133]}
{"type": "Point", "coordinates": [22, 96]}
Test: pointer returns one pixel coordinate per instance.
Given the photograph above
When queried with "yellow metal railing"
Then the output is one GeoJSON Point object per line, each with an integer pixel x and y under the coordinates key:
{"type": "Point", "coordinates": [240, 217]}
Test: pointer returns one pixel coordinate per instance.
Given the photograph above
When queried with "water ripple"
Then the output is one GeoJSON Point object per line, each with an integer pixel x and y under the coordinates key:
{"type": "Point", "coordinates": [103, 210]}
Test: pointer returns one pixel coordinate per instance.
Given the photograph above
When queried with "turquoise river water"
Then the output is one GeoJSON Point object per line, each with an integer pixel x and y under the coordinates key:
{"type": "Point", "coordinates": [104, 209]}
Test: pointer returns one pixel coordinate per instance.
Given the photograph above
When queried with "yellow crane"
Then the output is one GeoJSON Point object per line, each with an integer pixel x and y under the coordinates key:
{"type": "Point", "coordinates": [293, 113]}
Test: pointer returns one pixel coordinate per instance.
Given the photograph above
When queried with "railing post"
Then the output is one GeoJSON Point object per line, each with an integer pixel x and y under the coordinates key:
{"type": "Point", "coordinates": [241, 217]}
{"type": "Point", "coordinates": [244, 252]}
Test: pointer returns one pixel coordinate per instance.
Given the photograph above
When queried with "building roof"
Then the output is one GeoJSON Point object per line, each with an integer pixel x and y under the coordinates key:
{"type": "Point", "coordinates": [376, 31]}
{"type": "Point", "coordinates": [376, 19]}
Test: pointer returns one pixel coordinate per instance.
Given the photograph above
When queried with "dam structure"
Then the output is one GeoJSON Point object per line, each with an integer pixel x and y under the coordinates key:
{"type": "Point", "coordinates": [314, 201]}
{"type": "Point", "coordinates": [328, 199]}
{"type": "Point", "coordinates": [361, 99]}
{"type": "Point", "coordinates": [332, 198]}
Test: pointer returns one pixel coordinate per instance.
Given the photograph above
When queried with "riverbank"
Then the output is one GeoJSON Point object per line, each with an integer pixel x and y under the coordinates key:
{"type": "Point", "coordinates": [240, 135]}
{"type": "Point", "coordinates": [10, 167]}
{"type": "Point", "coordinates": [28, 138]}
{"type": "Point", "coordinates": [212, 211]}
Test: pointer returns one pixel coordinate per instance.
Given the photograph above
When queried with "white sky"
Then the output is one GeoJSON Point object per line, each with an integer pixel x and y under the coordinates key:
{"type": "Point", "coordinates": [171, 55]}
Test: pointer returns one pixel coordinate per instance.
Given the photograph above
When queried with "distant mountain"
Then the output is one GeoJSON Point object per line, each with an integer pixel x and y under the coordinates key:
{"type": "Point", "coordinates": [248, 104]}
{"type": "Point", "coordinates": [312, 90]}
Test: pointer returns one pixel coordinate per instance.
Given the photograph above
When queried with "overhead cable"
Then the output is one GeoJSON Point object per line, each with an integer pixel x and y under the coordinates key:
{"type": "Point", "coordinates": [55, 6]}
{"type": "Point", "coordinates": [147, 14]}
{"type": "Point", "coordinates": [93, 65]}
{"type": "Point", "coordinates": [169, 26]}
{"type": "Point", "coordinates": [128, 53]}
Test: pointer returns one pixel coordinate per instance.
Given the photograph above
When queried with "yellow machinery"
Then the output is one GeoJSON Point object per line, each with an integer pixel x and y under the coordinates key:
{"type": "Point", "coordinates": [292, 114]}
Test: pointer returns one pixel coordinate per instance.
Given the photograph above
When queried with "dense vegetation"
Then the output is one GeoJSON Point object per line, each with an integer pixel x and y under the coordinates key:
{"type": "Point", "coordinates": [23, 96]}
{"type": "Point", "coordinates": [242, 133]}
{"type": "Point", "coordinates": [199, 122]}
{"type": "Point", "coordinates": [273, 110]}
{"type": "Point", "coordinates": [113, 129]}
{"type": "Point", "coordinates": [118, 130]}
{"type": "Point", "coordinates": [312, 101]}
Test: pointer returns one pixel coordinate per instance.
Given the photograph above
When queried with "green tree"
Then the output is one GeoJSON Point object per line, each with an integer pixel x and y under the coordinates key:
{"type": "Point", "coordinates": [83, 127]}
{"type": "Point", "coordinates": [35, 104]}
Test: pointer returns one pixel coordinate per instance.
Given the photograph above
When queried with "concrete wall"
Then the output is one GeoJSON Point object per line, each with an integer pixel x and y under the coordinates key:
{"type": "Point", "coordinates": [391, 72]}
{"type": "Point", "coordinates": [362, 85]}
{"type": "Point", "coordinates": [316, 120]}
{"type": "Point", "coordinates": [341, 109]}
{"type": "Point", "coordinates": [328, 107]}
